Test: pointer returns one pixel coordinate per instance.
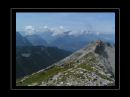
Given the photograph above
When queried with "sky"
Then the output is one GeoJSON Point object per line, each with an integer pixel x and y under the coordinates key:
{"type": "Point", "coordinates": [96, 22]}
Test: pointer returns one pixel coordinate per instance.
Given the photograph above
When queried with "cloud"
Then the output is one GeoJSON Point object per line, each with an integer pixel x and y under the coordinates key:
{"type": "Point", "coordinates": [78, 33]}
{"type": "Point", "coordinates": [97, 33]}
{"type": "Point", "coordinates": [61, 30]}
{"type": "Point", "coordinates": [61, 27]}
{"type": "Point", "coordinates": [58, 31]}
{"type": "Point", "coordinates": [45, 27]}
{"type": "Point", "coordinates": [82, 30]}
{"type": "Point", "coordinates": [29, 30]}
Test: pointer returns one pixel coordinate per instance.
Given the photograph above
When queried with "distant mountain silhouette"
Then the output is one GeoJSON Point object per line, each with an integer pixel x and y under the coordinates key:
{"type": "Point", "coordinates": [36, 40]}
{"type": "Point", "coordinates": [21, 41]}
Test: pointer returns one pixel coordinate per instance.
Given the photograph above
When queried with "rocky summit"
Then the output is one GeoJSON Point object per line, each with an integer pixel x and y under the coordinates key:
{"type": "Point", "coordinates": [93, 65]}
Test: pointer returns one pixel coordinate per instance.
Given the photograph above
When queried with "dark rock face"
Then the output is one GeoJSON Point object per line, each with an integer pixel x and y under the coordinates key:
{"type": "Point", "coordinates": [100, 49]}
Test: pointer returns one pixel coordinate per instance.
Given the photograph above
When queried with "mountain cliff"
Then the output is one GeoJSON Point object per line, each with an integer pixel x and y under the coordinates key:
{"type": "Point", "coordinates": [93, 65]}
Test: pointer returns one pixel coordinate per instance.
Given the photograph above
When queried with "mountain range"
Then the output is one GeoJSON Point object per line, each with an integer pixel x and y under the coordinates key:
{"type": "Point", "coordinates": [66, 41]}
{"type": "Point", "coordinates": [36, 40]}
{"type": "Point", "coordinates": [92, 65]}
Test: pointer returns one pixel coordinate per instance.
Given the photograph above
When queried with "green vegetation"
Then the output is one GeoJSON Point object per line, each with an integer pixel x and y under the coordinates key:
{"type": "Point", "coordinates": [43, 76]}
{"type": "Point", "coordinates": [68, 65]}
{"type": "Point", "coordinates": [90, 58]}
{"type": "Point", "coordinates": [18, 79]}
{"type": "Point", "coordinates": [86, 66]}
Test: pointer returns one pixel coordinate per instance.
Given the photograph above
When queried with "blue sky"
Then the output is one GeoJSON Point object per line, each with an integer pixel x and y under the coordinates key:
{"type": "Point", "coordinates": [96, 22]}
